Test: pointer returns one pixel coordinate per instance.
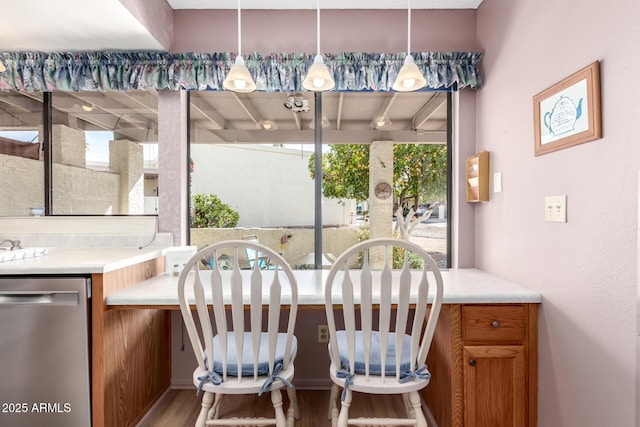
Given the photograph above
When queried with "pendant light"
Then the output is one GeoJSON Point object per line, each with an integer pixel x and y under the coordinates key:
{"type": "Point", "coordinates": [410, 77]}
{"type": "Point", "coordinates": [239, 79]}
{"type": "Point", "coordinates": [318, 78]}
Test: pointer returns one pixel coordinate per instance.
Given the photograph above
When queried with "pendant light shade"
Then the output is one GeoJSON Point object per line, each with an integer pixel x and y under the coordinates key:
{"type": "Point", "coordinates": [318, 78]}
{"type": "Point", "coordinates": [239, 79]}
{"type": "Point", "coordinates": [410, 77]}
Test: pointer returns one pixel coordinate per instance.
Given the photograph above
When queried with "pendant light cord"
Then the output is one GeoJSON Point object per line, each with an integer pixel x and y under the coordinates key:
{"type": "Point", "coordinates": [239, 32]}
{"type": "Point", "coordinates": [409, 28]}
{"type": "Point", "coordinates": [318, 25]}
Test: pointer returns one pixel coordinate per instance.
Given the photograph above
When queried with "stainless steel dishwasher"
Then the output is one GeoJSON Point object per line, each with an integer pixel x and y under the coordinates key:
{"type": "Point", "coordinates": [44, 351]}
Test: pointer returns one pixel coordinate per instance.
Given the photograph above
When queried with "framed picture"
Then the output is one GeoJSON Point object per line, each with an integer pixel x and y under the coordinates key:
{"type": "Point", "coordinates": [568, 113]}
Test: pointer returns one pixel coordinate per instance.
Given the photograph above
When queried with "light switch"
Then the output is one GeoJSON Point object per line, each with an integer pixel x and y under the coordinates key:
{"type": "Point", "coordinates": [497, 182]}
{"type": "Point", "coordinates": [555, 208]}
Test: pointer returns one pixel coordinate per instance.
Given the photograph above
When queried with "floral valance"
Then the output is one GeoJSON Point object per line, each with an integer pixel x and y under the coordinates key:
{"type": "Point", "coordinates": [100, 71]}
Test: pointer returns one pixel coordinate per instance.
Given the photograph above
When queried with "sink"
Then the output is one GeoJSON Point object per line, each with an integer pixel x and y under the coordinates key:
{"type": "Point", "coordinates": [18, 254]}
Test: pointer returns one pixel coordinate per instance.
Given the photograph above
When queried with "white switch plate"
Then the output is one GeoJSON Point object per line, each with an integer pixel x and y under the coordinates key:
{"type": "Point", "coordinates": [497, 182]}
{"type": "Point", "coordinates": [555, 208]}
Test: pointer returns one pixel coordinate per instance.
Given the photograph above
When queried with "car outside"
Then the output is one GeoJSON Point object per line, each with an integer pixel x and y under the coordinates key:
{"type": "Point", "coordinates": [422, 209]}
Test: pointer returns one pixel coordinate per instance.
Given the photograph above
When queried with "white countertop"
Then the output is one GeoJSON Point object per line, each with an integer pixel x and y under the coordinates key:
{"type": "Point", "coordinates": [461, 286]}
{"type": "Point", "coordinates": [79, 260]}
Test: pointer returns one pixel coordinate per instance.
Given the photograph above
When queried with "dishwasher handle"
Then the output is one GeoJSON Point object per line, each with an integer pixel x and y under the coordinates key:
{"type": "Point", "coordinates": [10, 298]}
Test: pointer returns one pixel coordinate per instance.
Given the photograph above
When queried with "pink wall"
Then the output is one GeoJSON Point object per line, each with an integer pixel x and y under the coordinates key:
{"type": "Point", "coordinates": [586, 269]}
{"type": "Point", "coordinates": [269, 31]}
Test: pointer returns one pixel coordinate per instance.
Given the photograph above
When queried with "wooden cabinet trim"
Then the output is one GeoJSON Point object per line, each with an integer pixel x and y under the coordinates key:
{"type": "Point", "coordinates": [532, 360]}
{"type": "Point", "coordinates": [130, 351]}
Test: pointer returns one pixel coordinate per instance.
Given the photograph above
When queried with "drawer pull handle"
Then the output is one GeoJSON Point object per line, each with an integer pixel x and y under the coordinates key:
{"type": "Point", "coordinates": [472, 362]}
{"type": "Point", "coordinates": [495, 324]}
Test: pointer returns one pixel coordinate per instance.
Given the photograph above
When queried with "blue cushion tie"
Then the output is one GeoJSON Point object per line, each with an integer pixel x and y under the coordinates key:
{"type": "Point", "coordinates": [246, 367]}
{"type": "Point", "coordinates": [267, 384]}
{"type": "Point", "coordinates": [422, 374]}
{"type": "Point", "coordinates": [343, 373]}
{"type": "Point", "coordinates": [213, 377]}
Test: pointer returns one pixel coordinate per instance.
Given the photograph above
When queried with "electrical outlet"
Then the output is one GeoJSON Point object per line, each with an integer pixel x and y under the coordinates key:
{"type": "Point", "coordinates": [323, 333]}
{"type": "Point", "coordinates": [555, 208]}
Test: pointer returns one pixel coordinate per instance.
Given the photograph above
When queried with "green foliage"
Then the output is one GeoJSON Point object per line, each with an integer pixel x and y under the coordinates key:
{"type": "Point", "coordinates": [419, 172]}
{"type": "Point", "coordinates": [345, 171]}
{"type": "Point", "coordinates": [363, 233]}
{"type": "Point", "coordinates": [415, 261]}
{"type": "Point", "coordinates": [210, 212]}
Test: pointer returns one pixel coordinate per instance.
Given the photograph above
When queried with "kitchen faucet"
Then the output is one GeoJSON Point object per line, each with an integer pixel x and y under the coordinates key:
{"type": "Point", "coordinates": [15, 244]}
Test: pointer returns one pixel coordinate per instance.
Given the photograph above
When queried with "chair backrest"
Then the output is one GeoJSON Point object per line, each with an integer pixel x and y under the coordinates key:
{"type": "Point", "coordinates": [398, 295]}
{"type": "Point", "coordinates": [256, 289]}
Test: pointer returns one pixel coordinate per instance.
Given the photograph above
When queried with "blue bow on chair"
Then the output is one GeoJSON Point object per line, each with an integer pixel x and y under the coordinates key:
{"type": "Point", "coordinates": [210, 376]}
{"type": "Point", "coordinates": [343, 373]}
{"type": "Point", "coordinates": [421, 374]}
{"type": "Point", "coordinates": [274, 376]}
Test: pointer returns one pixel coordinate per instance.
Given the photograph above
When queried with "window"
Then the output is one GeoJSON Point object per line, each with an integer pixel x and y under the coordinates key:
{"type": "Point", "coordinates": [252, 157]}
{"type": "Point", "coordinates": [103, 152]}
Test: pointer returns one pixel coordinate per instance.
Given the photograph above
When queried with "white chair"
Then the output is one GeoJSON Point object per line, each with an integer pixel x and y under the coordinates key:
{"type": "Point", "coordinates": [267, 351]}
{"type": "Point", "coordinates": [383, 323]}
{"type": "Point", "coordinates": [263, 260]}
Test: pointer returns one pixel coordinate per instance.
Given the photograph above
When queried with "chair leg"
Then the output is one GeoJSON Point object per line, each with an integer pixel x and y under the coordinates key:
{"type": "Point", "coordinates": [407, 405]}
{"type": "Point", "coordinates": [276, 399]}
{"type": "Point", "coordinates": [214, 412]}
{"type": "Point", "coordinates": [293, 413]}
{"type": "Point", "coordinates": [333, 408]}
{"type": "Point", "coordinates": [207, 401]}
{"type": "Point", "coordinates": [414, 398]}
{"type": "Point", "coordinates": [343, 419]}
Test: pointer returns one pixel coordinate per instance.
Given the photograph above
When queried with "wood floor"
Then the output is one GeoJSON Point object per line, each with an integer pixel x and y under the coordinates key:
{"type": "Point", "coordinates": [179, 408]}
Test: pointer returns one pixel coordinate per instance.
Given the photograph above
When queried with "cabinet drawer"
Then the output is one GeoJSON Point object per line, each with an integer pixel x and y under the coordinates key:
{"type": "Point", "coordinates": [493, 324]}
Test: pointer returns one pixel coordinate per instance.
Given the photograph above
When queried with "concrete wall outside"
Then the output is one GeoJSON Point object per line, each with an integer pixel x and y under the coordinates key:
{"type": "Point", "coordinates": [29, 175]}
{"type": "Point", "coordinates": [296, 252]}
{"type": "Point", "coordinates": [69, 146]}
{"type": "Point", "coordinates": [76, 189]}
{"type": "Point", "coordinates": [268, 186]}
{"type": "Point", "coordinates": [80, 191]}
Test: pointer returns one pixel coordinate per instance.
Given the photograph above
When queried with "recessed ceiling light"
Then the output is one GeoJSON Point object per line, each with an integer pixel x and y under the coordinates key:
{"type": "Point", "coordinates": [267, 124]}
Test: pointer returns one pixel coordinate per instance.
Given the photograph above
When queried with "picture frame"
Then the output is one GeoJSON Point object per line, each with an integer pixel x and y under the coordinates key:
{"type": "Point", "coordinates": [568, 113]}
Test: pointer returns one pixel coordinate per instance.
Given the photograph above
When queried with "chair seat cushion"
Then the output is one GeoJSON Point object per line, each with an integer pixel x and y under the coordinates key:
{"type": "Point", "coordinates": [375, 363]}
{"type": "Point", "coordinates": [247, 356]}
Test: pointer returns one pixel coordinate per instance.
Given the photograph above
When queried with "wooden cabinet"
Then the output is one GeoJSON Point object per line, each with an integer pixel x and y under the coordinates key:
{"type": "Point", "coordinates": [494, 366]}
{"type": "Point", "coordinates": [483, 362]}
{"type": "Point", "coordinates": [477, 177]}
{"type": "Point", "coordinates": [131, 351]}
